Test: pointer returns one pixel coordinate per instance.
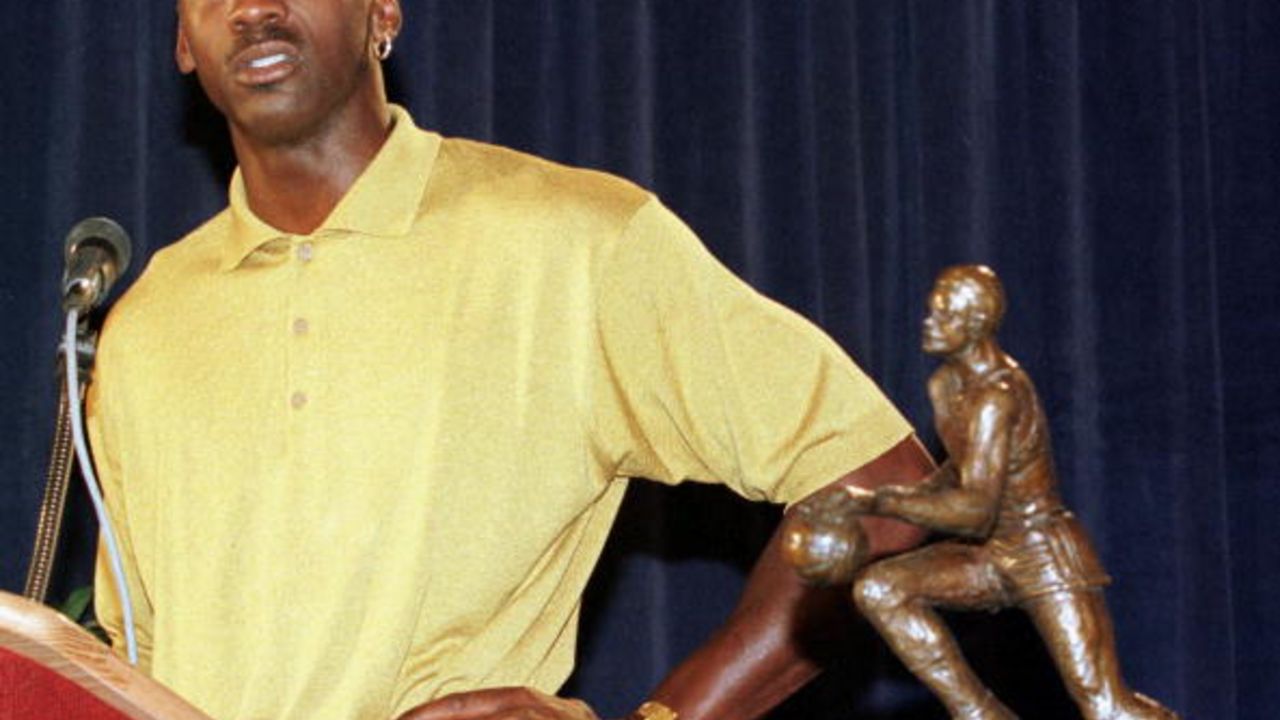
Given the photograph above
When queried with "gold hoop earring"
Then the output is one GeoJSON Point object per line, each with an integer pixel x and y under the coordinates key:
{"type": "Point", "coordinates": [383, 48]}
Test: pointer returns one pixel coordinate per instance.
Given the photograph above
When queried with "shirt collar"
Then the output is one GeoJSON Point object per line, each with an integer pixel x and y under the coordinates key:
{"type": "Point", "coordinates": [382, 202]}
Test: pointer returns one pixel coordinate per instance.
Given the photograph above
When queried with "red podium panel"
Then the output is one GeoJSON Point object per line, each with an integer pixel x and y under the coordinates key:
{"type": "Point", "coordinates": [51, 668]}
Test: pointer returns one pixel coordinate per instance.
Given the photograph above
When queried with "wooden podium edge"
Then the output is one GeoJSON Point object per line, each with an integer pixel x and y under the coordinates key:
{"type": "Point", "coordinates": [46, 637]}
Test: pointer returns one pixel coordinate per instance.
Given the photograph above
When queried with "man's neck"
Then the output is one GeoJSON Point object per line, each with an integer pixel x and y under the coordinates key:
{"type": "Point", "coordinates": [295, 186]}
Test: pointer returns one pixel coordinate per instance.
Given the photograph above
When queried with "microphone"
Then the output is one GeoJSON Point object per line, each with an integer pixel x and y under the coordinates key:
{"type": "Point", "coordinates": [97, 254]}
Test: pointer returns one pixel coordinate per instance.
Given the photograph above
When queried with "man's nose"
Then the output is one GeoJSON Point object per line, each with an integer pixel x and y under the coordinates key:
{"type": "Point", "coordinates": [246, 15]}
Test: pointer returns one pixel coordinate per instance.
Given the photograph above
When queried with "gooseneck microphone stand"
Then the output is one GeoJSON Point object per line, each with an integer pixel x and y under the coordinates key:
{"type": "Point", "coordinates": [58, 476]}
{"type": "Point", "coordinates": [97, 252]}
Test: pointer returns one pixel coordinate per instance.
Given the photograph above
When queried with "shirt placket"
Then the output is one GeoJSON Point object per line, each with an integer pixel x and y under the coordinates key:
{"type": "Point", "coordinates": [300, 390]}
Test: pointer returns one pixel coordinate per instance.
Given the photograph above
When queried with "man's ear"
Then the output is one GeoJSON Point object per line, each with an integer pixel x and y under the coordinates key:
{"type": "Point", "coordinates": [387, 18]}
{"type": "Point", "coordinates": [182, 52]}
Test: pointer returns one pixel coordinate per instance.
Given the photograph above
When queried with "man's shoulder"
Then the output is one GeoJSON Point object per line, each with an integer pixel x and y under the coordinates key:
{"type": "Point", "coordinates": [200, 240]}
{"type": "Point", "coordinates": [172, 268]}
{"type": "Point", "coordinates": [196, 253]}
{"type": "Point", "coordinates": [471, 171]}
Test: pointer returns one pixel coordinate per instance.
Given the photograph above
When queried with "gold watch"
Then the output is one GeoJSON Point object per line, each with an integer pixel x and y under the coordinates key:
{"type": "Point", "coordinates": [652, 710]}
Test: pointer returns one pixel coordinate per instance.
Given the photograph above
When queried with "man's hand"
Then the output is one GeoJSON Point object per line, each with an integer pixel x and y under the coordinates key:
{"type": "Point", "coordinates": [511, 703]}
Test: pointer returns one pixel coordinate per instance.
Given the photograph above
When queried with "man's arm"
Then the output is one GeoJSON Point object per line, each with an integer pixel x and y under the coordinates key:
{"type": "Point", "coordinates": [763, 653]}
{"type": "Point", "coordinates": [765, 650]}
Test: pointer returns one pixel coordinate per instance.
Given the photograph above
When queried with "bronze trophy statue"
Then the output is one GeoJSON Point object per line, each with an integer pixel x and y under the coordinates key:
{"type": "Point", "coordinates": [1017, 544]}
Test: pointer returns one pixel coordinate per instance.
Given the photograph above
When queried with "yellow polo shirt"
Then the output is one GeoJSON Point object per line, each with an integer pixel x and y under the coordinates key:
{"type": "Point", "coordinates": [370, 466]}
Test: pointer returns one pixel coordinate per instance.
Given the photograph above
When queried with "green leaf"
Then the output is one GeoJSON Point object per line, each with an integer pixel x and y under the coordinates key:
{"type": "Point", "coordinates": [77, 603]}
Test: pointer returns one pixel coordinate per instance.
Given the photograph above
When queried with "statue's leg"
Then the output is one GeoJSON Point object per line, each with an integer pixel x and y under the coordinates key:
{"type": "Point", "coordinates": [898, 596]}
{"type": "Point", "coordinates": [1077, 630]}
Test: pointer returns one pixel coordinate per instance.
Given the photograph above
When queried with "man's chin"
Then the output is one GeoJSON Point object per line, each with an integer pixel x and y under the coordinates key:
{"type": "Point", "coordinates": [272, 120]}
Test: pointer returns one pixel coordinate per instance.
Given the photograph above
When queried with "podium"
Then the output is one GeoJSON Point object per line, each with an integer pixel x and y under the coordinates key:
{"type": "Point", "coordinates": [52, 668]}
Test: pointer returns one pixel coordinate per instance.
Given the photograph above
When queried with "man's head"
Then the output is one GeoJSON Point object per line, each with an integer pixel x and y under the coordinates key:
{"type": "Point", "coordinates": [283, 70]}
{"type": "Point", "coordinates": [966, 306]}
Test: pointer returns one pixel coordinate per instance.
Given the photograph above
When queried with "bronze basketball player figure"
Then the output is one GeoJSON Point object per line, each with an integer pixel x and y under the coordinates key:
{"type": "Point", "coordinates": [1017, 546]}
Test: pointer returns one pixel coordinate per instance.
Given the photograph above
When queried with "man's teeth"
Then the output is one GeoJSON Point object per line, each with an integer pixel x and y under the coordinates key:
{"type": "Point", "coordinates": [268, 61]}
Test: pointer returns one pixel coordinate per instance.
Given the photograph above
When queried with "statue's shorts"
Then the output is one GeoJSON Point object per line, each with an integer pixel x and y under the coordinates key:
{"type": "Point", "coordinates": [1049, 554]}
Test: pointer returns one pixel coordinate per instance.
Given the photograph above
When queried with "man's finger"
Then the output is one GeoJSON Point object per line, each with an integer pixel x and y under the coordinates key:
{"type": "Point", "coordinates": [525, 713]}
{"type": "Point", "coordinates": [477, 705]}
{"type": "Point", "coordinates": [512, 703]}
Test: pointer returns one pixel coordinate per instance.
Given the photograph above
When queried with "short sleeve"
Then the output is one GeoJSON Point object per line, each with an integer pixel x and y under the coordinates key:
{"type": "Point", "coordinates": [702, 378]}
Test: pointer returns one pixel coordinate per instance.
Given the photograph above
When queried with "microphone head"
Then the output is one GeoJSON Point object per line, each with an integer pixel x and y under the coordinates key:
{"type": "Point", "coordinates": [97, 252]}
{"type": "Point", "coordinates": [104, 232]}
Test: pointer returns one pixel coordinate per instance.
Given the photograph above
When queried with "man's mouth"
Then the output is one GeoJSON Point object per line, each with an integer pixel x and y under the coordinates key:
{"type": "Point", "coordinates": [265, 63]}
{"type": "Point", "coordinates": [268, 61]}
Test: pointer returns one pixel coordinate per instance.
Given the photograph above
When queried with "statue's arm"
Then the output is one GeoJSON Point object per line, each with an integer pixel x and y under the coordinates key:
{"type": "Point", "coordinates": [968, 505]}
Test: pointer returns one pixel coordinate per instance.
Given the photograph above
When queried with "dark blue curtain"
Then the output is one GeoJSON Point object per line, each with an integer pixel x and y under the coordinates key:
{"type": "Point", "coordinates": [1117, 162]}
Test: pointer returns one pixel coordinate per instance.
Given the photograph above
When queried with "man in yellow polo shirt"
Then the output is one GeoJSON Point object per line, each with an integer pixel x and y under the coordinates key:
{"type": "Point", "coordinates": [366, 430]}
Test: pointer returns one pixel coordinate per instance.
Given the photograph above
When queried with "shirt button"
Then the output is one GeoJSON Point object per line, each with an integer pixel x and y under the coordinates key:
{"type": "Point", "coordinates": [301, 326]}
{"type": "Point", "coordinates": [306, 252]}
{"type": "Point", "coordinates": [298, 400]}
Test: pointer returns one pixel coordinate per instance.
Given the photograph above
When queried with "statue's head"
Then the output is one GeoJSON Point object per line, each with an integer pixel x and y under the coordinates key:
{"type": "Point", "coordinates": [965, 307]}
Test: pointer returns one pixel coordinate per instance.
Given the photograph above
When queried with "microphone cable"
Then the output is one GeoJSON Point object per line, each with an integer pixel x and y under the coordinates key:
{"type": "Point", "coordinates": [91, 483]}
